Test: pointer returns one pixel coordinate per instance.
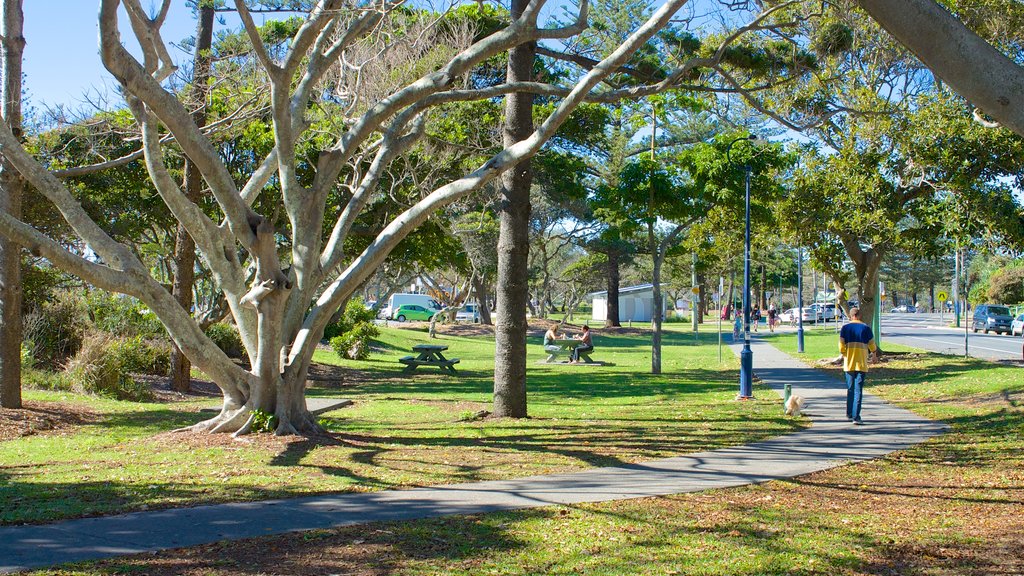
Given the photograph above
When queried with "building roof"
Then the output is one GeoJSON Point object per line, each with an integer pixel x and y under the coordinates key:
{"type": "Point", "coordinates": [627, 290]}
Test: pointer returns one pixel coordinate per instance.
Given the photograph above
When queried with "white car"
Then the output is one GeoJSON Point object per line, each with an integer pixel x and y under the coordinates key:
{"type": "Point", "coordinates": [468, 313]}
{"type": "Point", "coordinates": [1017, 326]}
{"type": "Point", "coordinates": [790, 316]}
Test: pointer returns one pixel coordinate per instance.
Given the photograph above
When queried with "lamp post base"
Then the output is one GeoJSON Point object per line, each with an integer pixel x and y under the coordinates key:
{"type": "Point", "coordinates": [746, 373]}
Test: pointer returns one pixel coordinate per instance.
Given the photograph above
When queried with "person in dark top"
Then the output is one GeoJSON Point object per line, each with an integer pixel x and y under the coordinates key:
{"type": "Point", "coordinates": [585, 345]}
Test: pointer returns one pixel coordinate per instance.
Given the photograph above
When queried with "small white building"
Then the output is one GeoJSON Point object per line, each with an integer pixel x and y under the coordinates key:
{"type": "Point", "coordinates": [636, 303]}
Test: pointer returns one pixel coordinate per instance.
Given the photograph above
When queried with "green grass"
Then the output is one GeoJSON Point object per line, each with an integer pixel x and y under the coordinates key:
{"type": "Point", "coordinates": [950, 506]}
{"type": "Point", "coordinates": [403, 430]}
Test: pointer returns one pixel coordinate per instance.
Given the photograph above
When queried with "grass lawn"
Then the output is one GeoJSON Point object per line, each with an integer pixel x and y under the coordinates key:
{"type": "Point", "coordinates": [403, 430]}
{"type": "Point", "coordinates": [950, 506]}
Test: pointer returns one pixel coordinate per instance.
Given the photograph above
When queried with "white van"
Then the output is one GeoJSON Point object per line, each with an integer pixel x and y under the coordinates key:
{"type": "Point", "coordinates": [468, 313]}
{"type": "Point", "coordinates": [397, 300]}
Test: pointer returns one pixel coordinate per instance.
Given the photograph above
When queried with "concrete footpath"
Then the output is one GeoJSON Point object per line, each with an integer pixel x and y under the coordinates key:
{"type": "Point", "coordinates": [830, 441]}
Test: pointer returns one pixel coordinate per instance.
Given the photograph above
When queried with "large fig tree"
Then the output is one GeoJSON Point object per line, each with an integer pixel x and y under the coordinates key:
{"type": "Point", "coordinates": [283, 283]}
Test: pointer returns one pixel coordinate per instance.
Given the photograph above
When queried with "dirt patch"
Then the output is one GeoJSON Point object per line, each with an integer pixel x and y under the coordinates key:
{"type": "Point", "coordinates": [162, 392]}
{"type": "Point", "coordinates": [48, 418]}
{"type": "Point", "coordinates": [270, 442]}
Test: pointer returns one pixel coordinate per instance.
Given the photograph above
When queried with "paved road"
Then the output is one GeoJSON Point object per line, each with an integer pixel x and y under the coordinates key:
{"type": "Point", "coordinates": [831, 441]}
{"type": "Point", "coordinates": [930, 332]}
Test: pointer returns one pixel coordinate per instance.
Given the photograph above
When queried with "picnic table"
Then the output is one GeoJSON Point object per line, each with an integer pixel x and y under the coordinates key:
{"type": "Point", "coordinates": [429, 355]}
{"type": "Point", "coordinates": [565, 348]}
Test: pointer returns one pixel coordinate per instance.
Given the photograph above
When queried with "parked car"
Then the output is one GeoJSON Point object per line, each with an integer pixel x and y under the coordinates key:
{"type": "Point", "coordinates": [396, 300]}
{"type": "Point", "coordinates": [413, 312]}
{"type": "Point", "coordinates": [992, 317]}
{"type": "Point", "coordinates": [904, 309]}
{"type": "Point", "coordinates": [826, 312]}
{"type": "Point", "coordinates": [468, 313]}
{"type": "Point", "coordinates": [790, 316]}
{"type": "Point", "coordinates": [1017, 326]}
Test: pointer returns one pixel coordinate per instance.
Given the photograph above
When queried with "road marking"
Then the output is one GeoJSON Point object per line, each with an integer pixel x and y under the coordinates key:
{"type": "Point", "coordinates": [972, 346]}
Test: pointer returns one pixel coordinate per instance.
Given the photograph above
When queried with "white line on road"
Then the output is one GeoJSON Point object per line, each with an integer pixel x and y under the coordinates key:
{"type": "Point", "coordinates": [946, 343]}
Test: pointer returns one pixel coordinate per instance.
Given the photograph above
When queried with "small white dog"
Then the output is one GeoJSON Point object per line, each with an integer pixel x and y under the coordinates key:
{"type": "Point", "coordinates": [793, 405]}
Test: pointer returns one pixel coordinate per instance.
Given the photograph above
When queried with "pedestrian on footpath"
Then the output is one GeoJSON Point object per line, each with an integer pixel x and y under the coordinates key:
{"type": "Point", "coordinates": [855, 341]}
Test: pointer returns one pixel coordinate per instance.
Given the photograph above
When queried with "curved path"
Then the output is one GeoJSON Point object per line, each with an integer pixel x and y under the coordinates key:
{"type": "Point", "coordinates": [831, 441]}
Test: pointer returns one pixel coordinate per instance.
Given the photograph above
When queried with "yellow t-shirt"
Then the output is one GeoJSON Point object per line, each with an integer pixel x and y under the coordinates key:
{"type": "Point", "coordinates": [855, 341]}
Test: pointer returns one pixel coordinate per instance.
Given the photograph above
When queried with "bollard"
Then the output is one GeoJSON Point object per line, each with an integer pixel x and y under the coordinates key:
{"type": "Point", "coordinates": [788, 391]}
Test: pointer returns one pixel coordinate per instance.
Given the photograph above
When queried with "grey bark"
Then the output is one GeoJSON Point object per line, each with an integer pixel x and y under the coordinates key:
{"type": "Point", "coordinates": [184, 246]}
{"type": "Point", "coordinates": [480, 291]}
{"type": "Point", "coordinates": [514, 242]}
{"type": "Point", "coordinates": [961, 58]}
{"type": "Point", "coordinates": [657, 257]}
{"type": "Point", "coordinates": [11, 189]}
{"type": "Point", "coordinates": [612, 317]}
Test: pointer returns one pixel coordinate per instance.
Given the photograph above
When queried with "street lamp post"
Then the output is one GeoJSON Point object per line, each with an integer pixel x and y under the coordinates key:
{"type": "Point", "coordinates": [746, 355]}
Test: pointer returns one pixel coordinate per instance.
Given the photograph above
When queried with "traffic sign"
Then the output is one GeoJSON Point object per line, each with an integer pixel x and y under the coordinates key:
{"type": "Point", "coordinates": [942, 296]}
{"type": "Point", "coordinates": [695, 289]}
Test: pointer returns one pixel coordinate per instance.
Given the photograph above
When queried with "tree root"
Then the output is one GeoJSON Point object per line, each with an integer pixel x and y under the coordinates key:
{"type": "Point", "coordinates": [239, 422]}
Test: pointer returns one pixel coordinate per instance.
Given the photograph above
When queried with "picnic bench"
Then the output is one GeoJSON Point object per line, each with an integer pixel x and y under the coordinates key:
{"type": "Point", "coordinates": [429, 355]}
{"type": "Point", "coordinates": [564, 347]}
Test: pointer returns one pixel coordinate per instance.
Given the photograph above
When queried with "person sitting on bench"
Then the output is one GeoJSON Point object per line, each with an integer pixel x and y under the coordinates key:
{"type": "Point", "coordinates": [586, 345]}
{"type": "Point", "coordinates": [549, 340]}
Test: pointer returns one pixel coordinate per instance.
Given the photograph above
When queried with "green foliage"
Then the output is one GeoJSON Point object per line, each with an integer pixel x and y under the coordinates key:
{"type": "Point", "coordinates": [122, 315]}
{"type": "Point", "coordinates": [136, 355]}
{"type": "Point", "coordinates": [355, 343]}
{"type": "Point", "coordinates": [832, 39]}
{"type": "Point", "coordinates": [40, 283]}
{"type": "Point", "coordinates": [103, 364]}
{"type": "Point", "coordinates": [1006, 286]}
{"type": "Point", "coordinates": [263, 421]}
{"type": "Point", "coordinates": [226, 337]}
{"type": "Point", "coordinates": [350, 336]}
{"type": "Point", "coordinates": [53, 332]}
{"type": "Point", "coordinates": [28, 361]}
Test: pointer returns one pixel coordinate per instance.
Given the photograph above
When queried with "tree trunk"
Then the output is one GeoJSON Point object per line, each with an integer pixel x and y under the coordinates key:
{"type": "Point", "coordinates": [656, 291]}
{"type": "Point", "coordinates": [612, 317]}
{"type": "Point", "coordinates": [184, 246]}
{"type": "Point", "coordinates": [763, 288]}
{"type": "Point", "coordinates": [514, 242]}
{"type": "Point", "coordinates": [11, 189]}
{"type": "Point", "coordinates": [961, 58]}
{"type": "Point", "coordinates": [480, 289]}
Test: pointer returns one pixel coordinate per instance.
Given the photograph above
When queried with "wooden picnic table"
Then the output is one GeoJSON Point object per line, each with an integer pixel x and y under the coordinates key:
{"type": "Point", "coordinates": [429, 355]}
{"type": "Point", "coordinates": [565, 348]}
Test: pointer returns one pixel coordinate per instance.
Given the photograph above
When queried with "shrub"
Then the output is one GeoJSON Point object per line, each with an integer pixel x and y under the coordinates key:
{"type": "Point", "coordinates": [355, 344]}
{"type": "Point", "coordinates": [123, 316]}
{"type": "Point", "coordinates": [1006, 286]}
{"type": "Point", "coordinates": [54, 330]}
{"type": "Point", "coordinates": [28, 361]}
{"type": "Point", "coordinates": [226, 337]}
{"type": "Point", "coordinates": [103, 365]}
{"type": "Point", "coordinates": [136, 355]}
{"type": "Point", "coordinates": [263, 421]}
{"type": "Point", "coordinates": [355, 313]}
{"type": "Point", "coordinates": [46, 380]}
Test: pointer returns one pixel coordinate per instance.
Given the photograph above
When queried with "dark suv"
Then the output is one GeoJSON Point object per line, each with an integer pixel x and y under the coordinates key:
{"type": "Point", "coordinates": [990, 317]}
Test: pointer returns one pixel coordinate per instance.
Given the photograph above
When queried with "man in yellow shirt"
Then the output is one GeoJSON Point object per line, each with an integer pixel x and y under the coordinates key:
{"type": "Point", "coordinates": [855, 341]}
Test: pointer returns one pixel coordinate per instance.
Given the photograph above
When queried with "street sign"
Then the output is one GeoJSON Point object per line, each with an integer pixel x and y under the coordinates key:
{"type": "Point", "coordinates": [942, 296]}
{"type": "Point", "coordinates": [716, 296]}
{"type": "Point", "coordinates": [695, 289]}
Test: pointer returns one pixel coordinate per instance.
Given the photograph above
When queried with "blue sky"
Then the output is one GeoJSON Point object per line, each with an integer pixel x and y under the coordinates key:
{"type": "Point", "coordinates": [62, 59]}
